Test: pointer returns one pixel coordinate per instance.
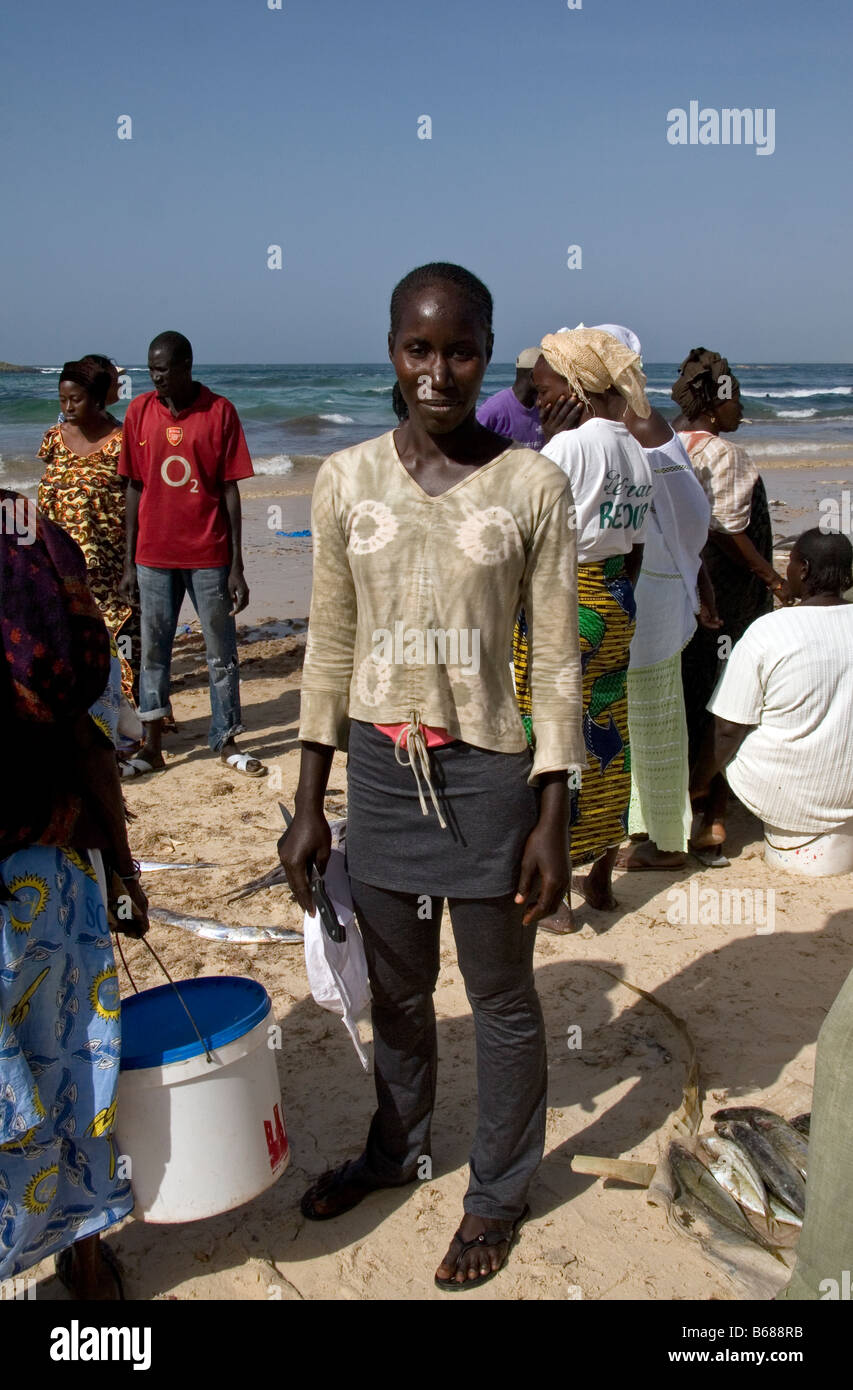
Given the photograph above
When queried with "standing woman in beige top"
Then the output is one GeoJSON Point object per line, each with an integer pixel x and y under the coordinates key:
{"type": "Point", "coordinates": [427, 542]}
{"type": "Point", "coordinates": [738, 557]}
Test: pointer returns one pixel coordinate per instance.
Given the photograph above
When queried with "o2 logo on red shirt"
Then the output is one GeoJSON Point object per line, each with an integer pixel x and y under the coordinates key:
{"type": "Point", "coordinates": [185, 476]}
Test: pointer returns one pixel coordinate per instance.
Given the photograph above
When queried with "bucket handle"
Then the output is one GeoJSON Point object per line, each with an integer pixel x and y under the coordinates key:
{"type": "Point", "coordinates": [788, 849]}
{"type": "Point", "coordinates": [171, 982]}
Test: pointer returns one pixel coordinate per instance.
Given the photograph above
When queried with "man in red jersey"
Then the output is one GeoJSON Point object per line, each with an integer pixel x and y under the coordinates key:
{"type": "Point", "coordinates": [183, 451]}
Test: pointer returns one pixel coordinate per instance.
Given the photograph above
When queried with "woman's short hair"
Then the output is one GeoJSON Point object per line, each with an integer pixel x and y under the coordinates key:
{"type": "Point", "coordinates": [830, 559]}
{"type": "Point", "coordinates": [442, 273]}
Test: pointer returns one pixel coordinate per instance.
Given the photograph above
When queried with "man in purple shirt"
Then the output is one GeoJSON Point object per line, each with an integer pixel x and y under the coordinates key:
{"type": "Point", "coordinates": [513, 412]}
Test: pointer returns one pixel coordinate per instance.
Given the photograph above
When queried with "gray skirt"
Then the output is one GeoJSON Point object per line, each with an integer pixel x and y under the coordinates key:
{"type": "Point", "coordinates": [485, 798]}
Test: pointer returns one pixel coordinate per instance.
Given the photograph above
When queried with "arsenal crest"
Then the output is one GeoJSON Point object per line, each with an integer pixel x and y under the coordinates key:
{"type": "Point", "coordinates": [174, 434]}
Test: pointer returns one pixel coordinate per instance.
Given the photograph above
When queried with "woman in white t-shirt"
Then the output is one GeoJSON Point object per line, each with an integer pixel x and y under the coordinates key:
{"type": "Point", "coordinates": [612, 486]}
{"type": "Point", "coordinates": [783, 710]}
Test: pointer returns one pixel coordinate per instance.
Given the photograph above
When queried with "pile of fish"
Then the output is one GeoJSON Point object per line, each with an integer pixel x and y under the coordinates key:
{"type": "Point", "coordinates": [750, 1174]}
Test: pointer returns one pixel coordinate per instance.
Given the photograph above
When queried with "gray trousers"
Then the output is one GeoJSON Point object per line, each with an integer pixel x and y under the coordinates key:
{"type": "Point", "coordinates": [495, 954]}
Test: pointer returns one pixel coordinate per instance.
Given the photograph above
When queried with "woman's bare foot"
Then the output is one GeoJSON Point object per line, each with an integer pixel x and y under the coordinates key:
{"type": "Point", "coordinates": [600, 896]}
{"type": "Point", "coordinates": [460, 1266]}
{"type": "Point", "coordinates": [561, 922]}
{"type": "Point", "coordinates": [646, 855]}
{"type": "Point", "coordinates": [596, 887]}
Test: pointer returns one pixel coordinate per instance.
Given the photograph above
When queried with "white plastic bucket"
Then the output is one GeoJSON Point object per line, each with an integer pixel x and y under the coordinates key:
{"type": "Point", "coordinates": [817, 855]}
{"type": "Point", "coordinates": [202, 1136]}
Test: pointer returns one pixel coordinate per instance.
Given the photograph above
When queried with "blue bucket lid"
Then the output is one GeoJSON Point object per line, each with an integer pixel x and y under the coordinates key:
{"type": "Point", "coordinates": [155, 1029]}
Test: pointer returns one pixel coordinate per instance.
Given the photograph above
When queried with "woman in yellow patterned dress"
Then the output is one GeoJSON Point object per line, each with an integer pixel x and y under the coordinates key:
{"type": "Point", "coordinates": [612, 486]}
{"type": "Point", "coordinates": [82, 492]}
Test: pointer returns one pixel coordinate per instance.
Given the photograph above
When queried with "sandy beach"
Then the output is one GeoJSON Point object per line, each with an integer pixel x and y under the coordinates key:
{"type": "Point", "coordinates": [753, 1004]}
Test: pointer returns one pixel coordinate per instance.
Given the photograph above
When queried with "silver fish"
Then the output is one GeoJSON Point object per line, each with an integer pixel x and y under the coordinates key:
{"type": "Point", "coordinates": [735, 1171]}
{"type": "Point", "coordinates": [218, 931]}
{"type": "Point", "coordinates": [694, 1178]}
{"type": "Point", "coordinates": [151, 866]}
{"type": "Point", "coordinates": [788, 1142]}
{"type": "Point", "coordinates": [783, 1213]}
{"type": "Point", "coordinates": [778, 1173]}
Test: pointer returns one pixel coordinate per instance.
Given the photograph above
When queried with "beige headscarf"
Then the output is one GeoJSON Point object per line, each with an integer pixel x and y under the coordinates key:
{"type": "Point", "coordinates": [593, 361]}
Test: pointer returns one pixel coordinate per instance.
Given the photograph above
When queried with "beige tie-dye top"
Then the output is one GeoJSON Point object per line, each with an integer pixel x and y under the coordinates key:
{"type": "Point", "coordinates": [415, 597]}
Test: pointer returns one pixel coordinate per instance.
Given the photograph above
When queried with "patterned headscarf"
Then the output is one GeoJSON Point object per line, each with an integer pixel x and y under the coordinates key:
{"type": "Point", "coordinates": [697, 389]}
{"type": "Point", "coordinates": [592, 361]}
{"type": "Point", "coordinates": [92, 377]}
{"type": "Point", "coordinates": [54, 663]}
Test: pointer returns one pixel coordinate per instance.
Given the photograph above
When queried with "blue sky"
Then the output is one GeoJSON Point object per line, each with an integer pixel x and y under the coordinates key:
{"type": "Point", "coordinates": [298, 126]}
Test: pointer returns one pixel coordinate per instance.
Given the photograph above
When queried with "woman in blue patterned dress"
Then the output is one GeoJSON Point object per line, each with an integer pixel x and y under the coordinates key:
{"type": "Point", "coordinates": [63, 840]}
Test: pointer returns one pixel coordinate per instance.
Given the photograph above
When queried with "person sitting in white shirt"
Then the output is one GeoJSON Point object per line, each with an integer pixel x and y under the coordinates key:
{"type": "Point", "coordinates": [783, 709]}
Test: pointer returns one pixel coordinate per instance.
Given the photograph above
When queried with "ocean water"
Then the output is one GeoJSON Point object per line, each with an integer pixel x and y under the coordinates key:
{"type": "Point", "coordinates": [293, 413]}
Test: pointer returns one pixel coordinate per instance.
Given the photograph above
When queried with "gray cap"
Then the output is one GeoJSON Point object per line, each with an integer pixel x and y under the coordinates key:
{"type": "Point", "coordinates": [528, 358]}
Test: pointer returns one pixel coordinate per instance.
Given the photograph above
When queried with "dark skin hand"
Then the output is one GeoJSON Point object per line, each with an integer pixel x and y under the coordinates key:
{"type": "Point", "coordinates": [101, 823]}
{"type": "Point", "coordinates": [559, 409]}
{"type": "Point", "coordinates": [237, 586]}
{"type": "Point", "coordinates": [440, 353]}
{"type": "Point", "coordinates": [708, 615]}
{"type": "Point", "coordinates": [128, 587]}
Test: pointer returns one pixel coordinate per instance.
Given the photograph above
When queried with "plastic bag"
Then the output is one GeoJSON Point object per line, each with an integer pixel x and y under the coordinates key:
{"type": "Point", "coordinates": [337, 971]}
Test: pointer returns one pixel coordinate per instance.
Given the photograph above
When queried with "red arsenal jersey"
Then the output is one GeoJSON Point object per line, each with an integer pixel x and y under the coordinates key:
{"type": "Point", "coordinates": [183, 463]}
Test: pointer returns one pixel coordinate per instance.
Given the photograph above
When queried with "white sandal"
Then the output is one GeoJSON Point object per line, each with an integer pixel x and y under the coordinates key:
{"type": "Point", "coordinates": [240, 763]}
{"type": "Point", "coordinates": [138, 767]}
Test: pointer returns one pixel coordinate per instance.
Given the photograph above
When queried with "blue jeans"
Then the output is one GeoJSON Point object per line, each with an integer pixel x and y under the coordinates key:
{"type": "Point", "coordinates": [161, 593]}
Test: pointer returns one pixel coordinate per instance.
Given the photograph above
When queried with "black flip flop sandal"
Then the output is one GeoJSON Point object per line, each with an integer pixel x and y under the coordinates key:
{"type": "Point", "coordinates": [62, 1266]}
{"type": "Point", "coordinates": [485, 1238]}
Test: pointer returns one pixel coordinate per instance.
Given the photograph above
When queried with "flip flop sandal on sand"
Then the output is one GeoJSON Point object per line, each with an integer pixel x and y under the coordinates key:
{"type": "Point", "coordinates": [349, 1174]}
{"type": "Point", "coordinates": [138, 767]}
{"type": "Point", "coordinates": [485, 1238]}
{"type": "Point", "coordinates": [711, 856]}
{"type": "Point", "coordinates": [62, 1266]}
{"type": "Point", "coordinates": [239, 762]}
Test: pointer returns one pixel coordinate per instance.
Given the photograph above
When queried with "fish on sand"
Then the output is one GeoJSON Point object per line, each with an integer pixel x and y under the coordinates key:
{"type": "Point", "coordinates": [783, 1214]}
{"type": "Point", "coordinates": [788, 1141]}
{"type": "Point", "coordinates": [778, 1174]}
{"type": "Point", "coordinates": [151, 866]}
{"type": "Point", "coordinates": [695, 1180]}
{"type": "Point", "coordinates": [217, 931]}
{"type": "Point", "coordinates": [735, 1171]}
